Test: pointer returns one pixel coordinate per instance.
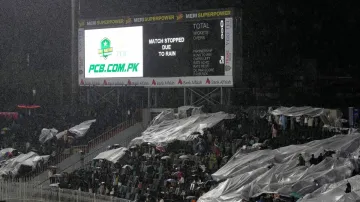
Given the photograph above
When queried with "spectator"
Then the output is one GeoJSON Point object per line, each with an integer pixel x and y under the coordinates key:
{"type": "Point", "coordinates": [301, 160]}
{"type": "Point", "coordinates": [348, 188]}
{"type": "Point", "coordinates": [313, 161]}
{"type": "Point", "coordinates": [320, 158]}
{"type": "Point", "coordinates": [274, 128]}
{"type": "Point", "coordinates": [50, 175]}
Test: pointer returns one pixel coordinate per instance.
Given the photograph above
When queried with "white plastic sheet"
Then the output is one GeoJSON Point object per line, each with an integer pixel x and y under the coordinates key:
{"type": "Point", "coordinates": [165, 115]}
{"type": "Point", "coordinates": [299, 111]}
{"type": "Point", "coordinates": [169, 130]}
{"type": "Point", "coordinates": [47, 134]}
{"type": "Point", "coordinates": [183, 111]}
{"type": "Point", "coordinates": [248, 175]}
{"type": "Point", "coordinates": [33, 161]}
{"type": "Point", "coordinates": [61, 134]}
{"type": "Point", "coordinates": [13, 165]}
{"type": "Point", "coordinates": [112, 155]}
{"type": "Point", "coordinates": [329, 117]}
{"type": "Point", "coordinates": [336, 192]}
{"type": "Point", "coordinates": [81, 129]}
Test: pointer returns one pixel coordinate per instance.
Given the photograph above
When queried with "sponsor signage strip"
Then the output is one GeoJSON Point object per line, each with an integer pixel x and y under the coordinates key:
{"type": "Point", "coordinates": [166, 17]}
{"type": "Point", "coordinates": [203, 81]}
{"type": "Point", "coordinates": [229, 55]}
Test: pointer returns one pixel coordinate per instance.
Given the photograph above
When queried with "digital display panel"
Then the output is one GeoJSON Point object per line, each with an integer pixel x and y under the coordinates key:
{"type": "Point", "coordinates": [114, 52]}
{"type": "Point", "coordinates": [171, 50]}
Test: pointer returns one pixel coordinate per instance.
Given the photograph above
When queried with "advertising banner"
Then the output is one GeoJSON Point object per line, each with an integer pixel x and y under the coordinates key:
{"type": "Point", "coordinates": [113, 53]}
{"type": "Point", "coordinates": [157, 18]}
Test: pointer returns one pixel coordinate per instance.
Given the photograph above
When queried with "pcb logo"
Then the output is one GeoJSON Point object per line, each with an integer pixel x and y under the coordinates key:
{"type": "Point", "coordinates": [105, 49]}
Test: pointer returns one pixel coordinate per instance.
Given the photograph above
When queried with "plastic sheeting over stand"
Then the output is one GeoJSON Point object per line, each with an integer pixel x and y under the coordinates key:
{"type": "Point", "coordinates": [112, 155]}
{"type": "Point", "coordinates": [166, 128]}
{"type": "Point", "coordinates": [276, 171]}
{"type": "Point", "coordinates": [329, 117]}
{"type": "Point", "coordinates": [47, 134]}
{"type": "Point", "coordinates": [30, 160]}
{"type": "Point", "coordinates": [335, 192]}
{"type": "Point", "coordinates": [81, 129]}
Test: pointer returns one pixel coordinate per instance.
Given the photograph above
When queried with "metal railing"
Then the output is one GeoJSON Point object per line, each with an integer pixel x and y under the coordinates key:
{"type": "Point", "coordinates": [92, 154]}
{"type": "Point", "coordinates": [28, 191]}
{"type": "Point", "coordinates": [96, 141]}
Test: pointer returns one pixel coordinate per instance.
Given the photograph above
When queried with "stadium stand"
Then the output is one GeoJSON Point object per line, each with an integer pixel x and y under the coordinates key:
{"type": "Point", "coordinates": [181, 170]}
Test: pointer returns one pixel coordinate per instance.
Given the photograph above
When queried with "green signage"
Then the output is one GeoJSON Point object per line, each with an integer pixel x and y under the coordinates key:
{"type": "Point", "coordinates": [122, 67]}
{"type": "Point", "coordinates": [105, 48]}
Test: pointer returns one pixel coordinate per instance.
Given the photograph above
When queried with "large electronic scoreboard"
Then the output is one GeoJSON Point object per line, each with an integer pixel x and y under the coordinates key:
{"type": "Point", "coordinates": [185, 49]}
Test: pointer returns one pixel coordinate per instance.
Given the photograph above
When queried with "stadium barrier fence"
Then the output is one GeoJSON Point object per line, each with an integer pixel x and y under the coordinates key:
{"type": "Point", "coordinates": [96, 141]}
{"type": "Point", "coordinates": [14, 191]}
{"type": "Point", "coordinates": [88, 157]}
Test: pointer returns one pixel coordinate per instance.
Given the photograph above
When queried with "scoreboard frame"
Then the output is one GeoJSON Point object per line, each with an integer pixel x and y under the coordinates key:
{"type": "Point", "coordinates": [160, 82]}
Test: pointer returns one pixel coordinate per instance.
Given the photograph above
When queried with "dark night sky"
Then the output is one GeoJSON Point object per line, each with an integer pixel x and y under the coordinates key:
{"type": "Point", "coordinates": [44, 31]}
{"type": "Point", "coordinates": [276, 32]}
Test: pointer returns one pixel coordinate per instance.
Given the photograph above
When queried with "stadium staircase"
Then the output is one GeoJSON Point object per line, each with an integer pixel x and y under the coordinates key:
{"type": "Point", "coordinates": [122, 134]}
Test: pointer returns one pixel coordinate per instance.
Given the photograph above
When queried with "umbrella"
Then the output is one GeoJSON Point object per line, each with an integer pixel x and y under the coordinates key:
{"type": "Point", "coordinates": [148, 144]}
{"type": "Point", "coordinates": [176, 173]}
{"type": "Point", "coordinates": [52, 167]}
{"type": "Point", "coordinates": [190, 197]}
{"type": "Point", "coordinates": [171, 180]}
{"type": "Point", "coordinates": [127, 166]}
{"type": "Point", "coordinates": [146, 155]}
{"type": "Point", "coordinates": [28, 106]}
{"type": "Point", "coordinates": [160, 149]}
{"type": "Point", "coordinates": [184, 157]}
{"type": "Point", "coordinates": [165, 157]}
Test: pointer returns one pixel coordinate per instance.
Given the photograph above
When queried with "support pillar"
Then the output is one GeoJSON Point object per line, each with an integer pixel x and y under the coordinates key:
{"type": "Point", "coordinates": [88, 96]}
{"type": "Point", "coordinates": [149, 98]}
{"type": "Point", "coordinates": [221, 96]}
{"type": "Point", "coordinates": [228, 96]}
{"type": "Point", "coordinates": [118, 96]}
{"type": "Point", "coordinates": [74, 52]}
{"type": "Point", "coordinates": [185, 97]}
{"type": "Point", "coordinates": [191, 97]}
{"type": "Point", "coordinates": [156, 97]}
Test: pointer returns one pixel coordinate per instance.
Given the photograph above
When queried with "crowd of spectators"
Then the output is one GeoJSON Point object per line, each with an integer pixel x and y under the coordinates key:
{"type": "Point", "coordinates": [178, 171]}
{"type": "Point", "coordinates": [182, 170]}
{"type": "Point", "coordinates": [22, 133]}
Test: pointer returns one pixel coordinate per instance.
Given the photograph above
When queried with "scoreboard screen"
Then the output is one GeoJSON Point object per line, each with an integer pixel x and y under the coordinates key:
{"type": "Point", "coordinates": [166, 50]}
{"type": "Point", "coordinates": [185, 49]}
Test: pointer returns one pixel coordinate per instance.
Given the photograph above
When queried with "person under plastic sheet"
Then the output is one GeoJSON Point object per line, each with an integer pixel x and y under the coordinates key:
{"type": "Point", "coordinates": [174, 172]}
{"type": "Point", "coordinates": [180, 170]}
{"type": "Point", "coordinates": [313, 160]}
{"type": "Point", "coordinates": [25, 136]}
{"type": "Point", "coordinates": [301, 160]}
{"type": "Point", "coordinates": [348, 188]}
